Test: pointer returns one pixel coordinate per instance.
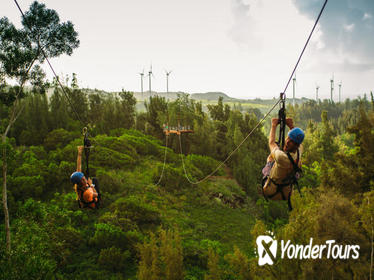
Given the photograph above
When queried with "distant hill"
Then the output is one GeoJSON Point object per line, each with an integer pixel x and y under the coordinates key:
{"type": "Point", "coordinates": [212, 96]}
{"type": "Point", "coordinates": [205, 98]}
{"type": "Point", "coordinates": [168, 95]}
{"type": "Point", "coordinates": [208, 96]}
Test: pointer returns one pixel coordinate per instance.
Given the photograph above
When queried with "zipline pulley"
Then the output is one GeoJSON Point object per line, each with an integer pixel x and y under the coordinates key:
{"type": "Point", "coordinates": [282, 120]}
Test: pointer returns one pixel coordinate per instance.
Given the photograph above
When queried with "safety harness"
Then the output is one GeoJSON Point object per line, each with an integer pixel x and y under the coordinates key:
{"type": "Point", "coordinates": [82, 202]}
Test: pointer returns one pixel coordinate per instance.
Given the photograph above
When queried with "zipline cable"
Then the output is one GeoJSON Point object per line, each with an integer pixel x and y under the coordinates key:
{"type": "Point", "coordinates": [282, 98]}
{"type": "Point", "coordinates": [50, 66]}
{"type": "Point", "coordinates": [163, 167]}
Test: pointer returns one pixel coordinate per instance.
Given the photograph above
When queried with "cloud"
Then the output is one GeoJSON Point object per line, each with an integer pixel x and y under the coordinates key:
{"type": "Point", "coordinates": [347, 29]}
{"type": "Point", "coordinates": [347, 66]}
{"type": "Point", "coordinates": [243, 31]}
{"type": "Point", "coordinates": [367, 16]}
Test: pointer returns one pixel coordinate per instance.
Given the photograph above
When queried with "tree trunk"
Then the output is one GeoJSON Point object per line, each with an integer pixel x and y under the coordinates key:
{"type": "Point", "coordinates": [5, 198]}
{"type": "Point", "coordinates": [13, 118]}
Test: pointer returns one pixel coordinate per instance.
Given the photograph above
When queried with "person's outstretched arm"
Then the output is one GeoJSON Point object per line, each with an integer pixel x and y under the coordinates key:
{"type": "Point", "coordinates": [79, 159]}
{"type": "Point", "coordinates": [274, 124]}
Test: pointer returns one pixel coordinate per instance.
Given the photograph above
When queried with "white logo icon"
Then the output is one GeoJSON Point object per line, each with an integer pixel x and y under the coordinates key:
{"type": "Point", "coordinates": [266, 249]}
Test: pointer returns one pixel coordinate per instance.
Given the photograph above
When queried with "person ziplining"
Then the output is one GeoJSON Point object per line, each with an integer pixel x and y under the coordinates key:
{"type": "Point", "coordinates": [87, 189]}
{"type": "Point", "coordinates": [283, 167]}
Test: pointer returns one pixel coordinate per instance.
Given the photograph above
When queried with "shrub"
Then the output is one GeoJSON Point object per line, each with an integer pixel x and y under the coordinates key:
{"type": "Point", "coordinates": [107, 235]}
{"type": "Point", "coordinates": [135, 209]}
{"type": "Point", "coordinates": [113, 259]}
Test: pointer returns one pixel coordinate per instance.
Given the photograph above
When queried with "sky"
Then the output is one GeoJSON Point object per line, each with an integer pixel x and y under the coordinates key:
{"type": "Point", "coordinates": [244, 48]}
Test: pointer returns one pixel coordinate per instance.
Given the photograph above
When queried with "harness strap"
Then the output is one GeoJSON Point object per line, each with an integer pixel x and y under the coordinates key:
{"type": "Point", "coordinates": [289, 202]}
{"type": "Point", "coordinates": [296, 169]}
{"type": "Point", "coordinates": [294, 164]}
{"type": "Point", "coordinates": [262, 187]}
{"type": "Point", "coordinates": [280, 190]}
{"type": "Point", "coordinates": [282, 121]}
{"type": "Point", "coordinates": [289, 182]}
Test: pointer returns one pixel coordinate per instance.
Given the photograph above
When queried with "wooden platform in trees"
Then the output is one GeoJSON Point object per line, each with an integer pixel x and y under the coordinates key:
{"type": "Point", "coordinates": [176, 129]}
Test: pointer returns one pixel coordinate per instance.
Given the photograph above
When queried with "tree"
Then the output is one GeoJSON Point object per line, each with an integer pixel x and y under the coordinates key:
{"type": "Point", "coordinates": [157, 108]}
{"type": "Point", "coordinates": [239, 264]}
{"type": "Point", "coordinates": [214, 271]}
{"type": "Point", "coordinates": [128, 102]}
{"type": "Point", "coordinates": [320, 145]}
{"type": "Point", "coordinates": [325, 215]}
{"type": "Point", "coordinates": [37, 124]}
{"type": "Point", "coordinates": [58, 106]}
{"type": "Point", "coordinates": [42, 36]}
{"type": "Point", "coordinates": [149, 264]}
{"type": "Point", "coordinates": [162, 257]}
{"type": "Point", "coordinates": [354, 172]}
{"type": "Point", "coordinates": [219, 112]}
{"type": "Point", "coordinates": [172, 254]}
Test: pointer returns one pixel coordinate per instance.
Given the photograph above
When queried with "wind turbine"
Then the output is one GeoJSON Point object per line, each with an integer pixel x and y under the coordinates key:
{"type": "Point", "coordinates": [167, 80]}
{"type": "Point", "coordinates": [141, 81]}
{"type": "Point", "coordinates": [332, 87]}
{"type": "Point", "coordinates": [294, 88]}
{"type": "Point", "coordinates": [317, 88]}
{"type": "Point", "coordinates": [150, 75]}
{"type": "Point", "coordinates": [340, 91]}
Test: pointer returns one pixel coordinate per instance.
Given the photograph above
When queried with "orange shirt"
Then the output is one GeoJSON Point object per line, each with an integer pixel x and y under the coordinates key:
{"type": "Point", "coordinates": [88, 196]}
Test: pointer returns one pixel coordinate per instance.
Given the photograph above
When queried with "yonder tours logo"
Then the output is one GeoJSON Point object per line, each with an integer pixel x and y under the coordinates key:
{"type": "Point", "coordinates": [267, 248]}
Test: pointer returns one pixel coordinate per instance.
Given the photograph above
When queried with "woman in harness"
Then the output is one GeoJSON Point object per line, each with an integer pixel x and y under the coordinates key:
{"type": "Point", "coordinates": [283, 166]}
{"type": "Point", "coordinates": [87, 190]}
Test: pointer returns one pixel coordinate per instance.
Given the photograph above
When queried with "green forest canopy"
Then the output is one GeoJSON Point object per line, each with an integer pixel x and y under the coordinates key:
{"type": "Point", "coordinates": [195, 232]}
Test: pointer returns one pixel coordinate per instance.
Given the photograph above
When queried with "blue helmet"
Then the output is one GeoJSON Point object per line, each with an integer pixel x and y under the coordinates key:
{"type": "Point", "coordinates": [76, 177]}
{"type": "Point", "coordinates": [297, 135]}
